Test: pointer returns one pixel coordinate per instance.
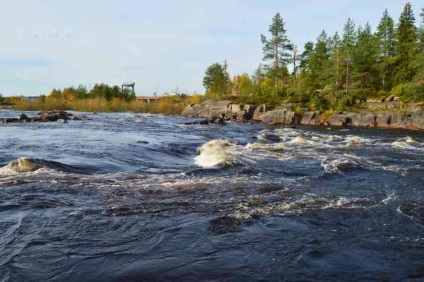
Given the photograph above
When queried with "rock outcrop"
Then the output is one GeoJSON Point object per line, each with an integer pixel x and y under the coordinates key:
{"type": "Point", "coordinates": [281, 115]}
{"type": "Point", "coordinates": [221, 111]}
{"type": "Point", "coordinates": [209, 109]}
{"type": "Point", "coordinates": [49, 116]}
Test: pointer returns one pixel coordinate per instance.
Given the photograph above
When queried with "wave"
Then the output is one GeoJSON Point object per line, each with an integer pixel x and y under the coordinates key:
{"type": "Point", "coordinates": [28, 165]}
{"type": "Point", "coordinates": [340, 165]}
{"type": "Point", "coordinates": [298, 140]}
{"type": "Point", "coordinates": [215, 153]}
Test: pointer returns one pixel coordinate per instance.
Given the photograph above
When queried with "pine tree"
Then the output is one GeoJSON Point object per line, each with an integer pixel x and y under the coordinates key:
{"type": "Point", "coordinates": [387, 43]}
{"type": "Point", "coordinates": [349, 36]}
{"type": "Point", "coordinates": [334, 51]}
{"type": "Point", "coordinates": [346, 46]}
{"type": "Point", "coordinates": [365, 71]}
{"type": "Point", "coordinates": [317, 65]}
{"type": "Point", "coordinates": [276, 49]}
{"type": "Point", "coordinates": [406, 47]}
{"type": "Point", "coordinates": [304, 57]}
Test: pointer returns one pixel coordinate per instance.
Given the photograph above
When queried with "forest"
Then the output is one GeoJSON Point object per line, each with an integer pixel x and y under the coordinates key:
{"type": "Point", "coordinates": [334, 71]}
{"type": "Point", "coordinates": [100, 98]}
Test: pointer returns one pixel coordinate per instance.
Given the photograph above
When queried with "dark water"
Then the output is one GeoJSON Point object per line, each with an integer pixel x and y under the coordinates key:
{"type": "Point", "coordinates": [127, 197]}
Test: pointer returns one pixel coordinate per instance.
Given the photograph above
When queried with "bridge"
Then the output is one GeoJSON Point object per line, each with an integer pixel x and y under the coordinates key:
{"type": "Point", "coordinates": [148, 99]}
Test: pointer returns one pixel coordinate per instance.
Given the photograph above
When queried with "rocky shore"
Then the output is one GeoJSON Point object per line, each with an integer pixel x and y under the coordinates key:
{"type": "Point", "coordinates": [42, 116]}
{"type": "Point", "coordinates": [375, 114]}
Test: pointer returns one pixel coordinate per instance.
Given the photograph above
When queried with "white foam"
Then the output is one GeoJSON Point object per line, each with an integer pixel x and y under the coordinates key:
{"type": "Point", "coordinates": [410, 140]}
{"type": "Point", "coordinates": [215, 153]}
{"type": "Point", "coordinates": [21, 165]}
{"type": "Point", "coordinates": [298, 140]}
{"type": "Point", "coordinates": [400, 144]}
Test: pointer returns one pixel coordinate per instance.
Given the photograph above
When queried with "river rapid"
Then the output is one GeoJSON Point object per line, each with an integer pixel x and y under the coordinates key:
{"type": "Point", "coordinates": [139, 197]}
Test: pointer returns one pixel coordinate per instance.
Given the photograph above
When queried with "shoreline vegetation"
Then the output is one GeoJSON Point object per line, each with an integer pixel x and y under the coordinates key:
{"type": "Point", "coordinates": [332, 74]}
{"type": "Point", "coordinates": [102, 98]}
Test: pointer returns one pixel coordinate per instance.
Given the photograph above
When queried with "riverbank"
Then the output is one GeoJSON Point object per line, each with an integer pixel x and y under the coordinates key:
{"type": "Point", "coordinates": [386, 114]}
{"type": "Point", "coordinates": [165, 105]}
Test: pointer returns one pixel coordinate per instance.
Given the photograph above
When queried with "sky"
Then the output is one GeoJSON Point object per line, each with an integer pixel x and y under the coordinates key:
{"type": "Point", "coordinates": [161, 45]}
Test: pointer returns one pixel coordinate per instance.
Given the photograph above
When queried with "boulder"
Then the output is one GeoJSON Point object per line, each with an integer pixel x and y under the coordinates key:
{"type": "Point", "coordinates": [417, 120]}
{"type": "Point", "coordinates": [310, 118]}
{"type": "Point", "coordinates": [368, 120]}
{"type": "Point", "coordinates": [235, 108]}
{"type": "Point", "coordinates": [281, 116]}
{"type": "Point", "coordinates": [383, 120]}
{"type": "Point", "coordinates": [23, 117]}
{"type": "Point", "coordinates": [336, 119]}
{"type": "Point", "coordinates": [401, 121]}
{"type": "Point", "coordinates": [49, 116]}
{"type": "Point", "coordinates": [9, 120]}
{"type": "Point", "coordinates": [259, 111]}
{"type": "Point", "coordinates": [209, 109]}
{"type": "Point", "coordinates": [244, 113]}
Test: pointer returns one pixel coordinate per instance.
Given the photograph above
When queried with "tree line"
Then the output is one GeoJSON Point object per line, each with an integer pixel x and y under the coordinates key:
{"type": "Point", "coordinates": [334, 71]}
{"type": "Point", "coordinates": [99, 91]}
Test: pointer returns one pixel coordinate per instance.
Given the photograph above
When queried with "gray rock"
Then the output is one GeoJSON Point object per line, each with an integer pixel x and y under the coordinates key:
{"type": "Point", "coordinates": [336, 119]}
{"type": "Point", "coordinates": [383, 120]}
{"type": "Point", "coordinates": [417, 120]}
{"type": "Point", "coordinates": [259, 111]}
{"type": "Point", "coordinates": [281, 116]}
{"type": "Point", "coordinates": [209, 109]}
{"type": "Point", "coordinates": [23, 117]}
{"type": "Point", "coordinates": [310, 118]}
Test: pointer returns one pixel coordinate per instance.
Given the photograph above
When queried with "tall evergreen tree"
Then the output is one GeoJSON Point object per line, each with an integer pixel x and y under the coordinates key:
{"type": "Point", "coordinates": [317, 64]}
{"type": "Point", "coordinates": [349, 36]}
{"type": "Point", "coordinates": [334, 52]}
{"type": "Point", "coordinates": [304, 57]}
{"type": "Point", "coordinates": [406, 45]}
{"type": "Point", "coordinates": [421, 35]}
{"type": "Point", "coordinates": [276, 48]}
{"type": "Point", "coordinates": [387, 42]}
{"type": "Point", "coordinates": [347, 44]}
{"type": "Point", "coordinates": [365, 71]}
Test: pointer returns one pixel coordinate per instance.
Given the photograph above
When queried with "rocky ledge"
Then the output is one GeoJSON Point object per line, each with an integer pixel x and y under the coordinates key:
{"type": "Point", "coordinates": [49, 116]}
{"type": "Point", "coordinates": [212, 111]}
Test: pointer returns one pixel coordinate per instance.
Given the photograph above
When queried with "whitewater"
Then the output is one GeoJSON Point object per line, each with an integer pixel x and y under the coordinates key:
{"type": "Point", "coordinates": [141, 197]}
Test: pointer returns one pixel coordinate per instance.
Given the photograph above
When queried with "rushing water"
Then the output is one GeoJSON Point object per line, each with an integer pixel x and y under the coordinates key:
{"type": "Point", "coordinates": [127, 197]}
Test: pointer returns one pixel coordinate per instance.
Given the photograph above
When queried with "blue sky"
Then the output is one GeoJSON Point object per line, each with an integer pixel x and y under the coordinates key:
{"type": "Point", "coordinates": [162, 45]}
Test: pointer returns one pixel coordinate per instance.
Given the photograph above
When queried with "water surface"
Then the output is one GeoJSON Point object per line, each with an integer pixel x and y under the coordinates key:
{"type": "Point", "coordinates": [129, 197]}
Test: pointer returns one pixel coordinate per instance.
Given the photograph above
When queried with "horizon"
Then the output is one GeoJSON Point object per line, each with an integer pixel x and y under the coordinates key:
{"type": "Point", "coordinates": [162, 46]}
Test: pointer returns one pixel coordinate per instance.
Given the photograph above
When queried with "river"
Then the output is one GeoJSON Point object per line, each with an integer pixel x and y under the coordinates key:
{"type": "Point", "coordinates": [139, 197]}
